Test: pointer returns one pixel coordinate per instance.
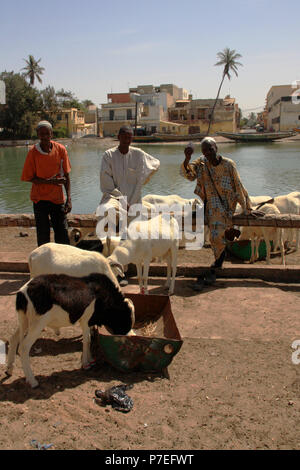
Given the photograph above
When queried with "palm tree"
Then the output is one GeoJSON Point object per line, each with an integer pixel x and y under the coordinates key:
{"type": "Point", "coordinates": [228, 58]}
{"type": "Point", "coordinates": [33, 70]}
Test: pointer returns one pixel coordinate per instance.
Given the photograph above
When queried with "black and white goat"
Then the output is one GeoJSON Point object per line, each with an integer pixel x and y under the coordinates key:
{"type": "Point", "coordinates": [58, 300]}
{"type": "Point", "coordinates": [54, 258]}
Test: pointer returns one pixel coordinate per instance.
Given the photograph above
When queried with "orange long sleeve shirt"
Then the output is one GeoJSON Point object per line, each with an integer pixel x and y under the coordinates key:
{"type": "Point", "coordinates": [42, 165]}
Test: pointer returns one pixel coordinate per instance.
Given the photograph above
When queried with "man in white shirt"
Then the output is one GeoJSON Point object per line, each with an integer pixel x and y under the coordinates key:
{"type": "Point", "coordinates": [124, 170]}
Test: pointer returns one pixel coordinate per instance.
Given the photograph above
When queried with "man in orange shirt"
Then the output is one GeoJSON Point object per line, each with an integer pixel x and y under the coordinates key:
{"type": "Point", "coordinates": [47, 167]}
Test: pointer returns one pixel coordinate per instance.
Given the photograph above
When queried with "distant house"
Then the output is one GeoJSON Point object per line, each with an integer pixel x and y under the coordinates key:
{"type": "Point", "coordinates": [145, 106]}
{"type": "Point", "coordinates": [70, 119]}
{"type": "Point", "coordinates": [283, 108]}
{"type": "Point", "coordinates": [262, 118]}
{"type": "Point", "coordinates": [167, 127]}
{"type": "Point", "coordinates": [196, 114]}
{"type": "Point", "coordinates": [92, 123]}
{"type": "Point", "coordinates": [121, 109]}
{"type": "Point", "coordinates": [73, 122]}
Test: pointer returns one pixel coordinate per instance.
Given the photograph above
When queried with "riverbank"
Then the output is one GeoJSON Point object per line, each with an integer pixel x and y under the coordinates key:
{"type": "Point", "coordinates": [106, 141]}
{"type": "Point", "coordinates": [111, 141]}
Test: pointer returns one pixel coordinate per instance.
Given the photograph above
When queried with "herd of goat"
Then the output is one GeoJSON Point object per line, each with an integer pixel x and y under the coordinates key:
{"type": "Point", "coordinates": [72, 284]}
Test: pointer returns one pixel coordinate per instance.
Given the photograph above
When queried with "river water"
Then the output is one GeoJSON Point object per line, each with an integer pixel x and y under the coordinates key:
{"type": "Point", "coordinates": [266, 169]}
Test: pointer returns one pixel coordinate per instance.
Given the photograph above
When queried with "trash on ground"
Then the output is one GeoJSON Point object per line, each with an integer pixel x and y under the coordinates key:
{"type": "Point", "coordinates": [116, 397]}
{"type": "Point", "coordinates": [37, 445]}
{"type": "Point", "coordinates": [37, 350]}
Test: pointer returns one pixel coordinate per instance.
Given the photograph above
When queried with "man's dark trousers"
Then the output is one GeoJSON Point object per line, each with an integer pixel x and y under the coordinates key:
{"type": "Point", "coordinates": [42, 211]}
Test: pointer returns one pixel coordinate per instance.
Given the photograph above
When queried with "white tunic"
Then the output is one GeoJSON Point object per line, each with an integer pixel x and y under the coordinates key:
{"type": "Point", "coordinates": [124, 175]}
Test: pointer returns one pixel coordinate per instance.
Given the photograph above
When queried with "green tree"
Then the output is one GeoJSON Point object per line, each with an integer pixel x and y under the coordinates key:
{"type": "Point", "coordinates": [50, 104]}
{"type": "Point", "coordinates": [243, 122]}
{"type": "Point", "coordinates": [228, 58]}
{"type": "Point", "coordinates": [49, 97]}
{"type": "Point", "coordinates": [87, 103]}
{"type": "Point", "coordinates": [23, 106]}
{"type": "Point", "coordinates": [252, 119]}
{"type": "Point", "coordinates": [67, 99]}
{"type": "Point", "coordinates": [33, 70]}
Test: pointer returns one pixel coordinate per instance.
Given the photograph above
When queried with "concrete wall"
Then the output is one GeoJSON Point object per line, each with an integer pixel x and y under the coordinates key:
{"type": "Point", "coordinates": [166, 127]}
{"type": "Point", "coordinates": [111, 128]}
{"type": "Point", "coordinates": [72, 119]}
{"type": "Point", "coordinates": [120, 112]}
{"type": "Point", "coordinates": [290, 116]}
{"type": "Point", "coordinates": [196, 114]}
{"type": "Point", "coordinates": [282, 115]}
{"type": "Point", "coordinates": [118, 97]}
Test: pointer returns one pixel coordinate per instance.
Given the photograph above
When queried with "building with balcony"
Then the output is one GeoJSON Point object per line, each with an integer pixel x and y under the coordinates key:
{"type": "Point", "coordinates": [196, 114]}
{"type": "Point", "coordinates": [167, 127]}
{"type": "Point", "coordinates": [71, 121]}
{"type": "Point", "coordinates": [145, 106]}
{"type": "Point", "coordinates": [92, 122]}
{"type": "Point", "coordinates": [173, 91]}
{"type": "Point", "coordinates": [120, 111]}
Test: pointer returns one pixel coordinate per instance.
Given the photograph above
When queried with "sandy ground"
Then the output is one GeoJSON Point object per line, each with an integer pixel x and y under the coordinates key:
{"type": "Point", "coordinates": [233, 384]}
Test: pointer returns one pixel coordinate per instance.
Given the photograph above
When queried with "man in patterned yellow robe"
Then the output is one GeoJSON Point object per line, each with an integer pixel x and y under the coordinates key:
{"type": "Point", "coordinates": [220, 187]}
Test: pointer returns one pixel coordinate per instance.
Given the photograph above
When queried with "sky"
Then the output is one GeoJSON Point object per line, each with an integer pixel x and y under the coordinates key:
{"type": "Point", "coordinates": [97, 47]}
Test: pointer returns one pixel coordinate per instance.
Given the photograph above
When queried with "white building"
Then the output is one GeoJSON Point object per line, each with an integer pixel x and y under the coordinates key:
{"type": "Point", "coordinates": [283, 106]}
{"type": "Point", "coordinates": [146, 105]}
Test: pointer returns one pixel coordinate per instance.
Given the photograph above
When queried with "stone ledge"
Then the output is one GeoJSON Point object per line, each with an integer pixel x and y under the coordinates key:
{"type": "Point", "coordinates": [28, 220]}
{"type": "Point", "coordinates": [273, 273]}
{"type": "Point", "coordinates": [17, 262]}
{"type": "Point", "coordinates": [90, 220]}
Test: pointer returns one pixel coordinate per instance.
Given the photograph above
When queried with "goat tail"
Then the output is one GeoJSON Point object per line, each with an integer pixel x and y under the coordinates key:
{"type": "Point", "coordinates": [30, 265]}
{"type": "Point", "coordinates": [23, 324]}
{"type": "Point", "coordinates": [269, 201]}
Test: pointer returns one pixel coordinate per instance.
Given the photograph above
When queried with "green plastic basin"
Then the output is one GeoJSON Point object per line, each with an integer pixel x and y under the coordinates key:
{"type": "Point", "coordinates": [242, 249]}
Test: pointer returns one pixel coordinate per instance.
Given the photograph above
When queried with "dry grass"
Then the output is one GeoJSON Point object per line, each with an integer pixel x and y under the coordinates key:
{"type": "Point", "coordinates": [148, 329]}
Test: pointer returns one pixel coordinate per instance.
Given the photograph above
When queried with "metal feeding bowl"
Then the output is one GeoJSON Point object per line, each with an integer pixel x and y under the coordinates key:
{"type": "Point", "coordinates": [156, 342]}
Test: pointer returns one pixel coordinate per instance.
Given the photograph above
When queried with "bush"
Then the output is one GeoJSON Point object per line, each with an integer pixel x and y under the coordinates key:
{"type": "Point", "coordinates": [60, 132]}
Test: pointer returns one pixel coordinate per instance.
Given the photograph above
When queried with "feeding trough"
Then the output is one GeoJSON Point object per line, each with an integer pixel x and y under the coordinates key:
{"type": "Point", "coordinates": [156, 342]}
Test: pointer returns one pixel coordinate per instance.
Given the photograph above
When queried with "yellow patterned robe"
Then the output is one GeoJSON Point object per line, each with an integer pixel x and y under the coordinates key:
{"type": "Point", "coordinates": [229, 186]}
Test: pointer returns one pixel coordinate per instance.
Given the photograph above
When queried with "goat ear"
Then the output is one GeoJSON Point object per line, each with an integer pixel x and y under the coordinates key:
{"type": "Point", "coordinates": [77, 235]}
{"type": "Point", "coordinates": [117, 268]}
{"type": "Point", "coordinates": [101, 246]}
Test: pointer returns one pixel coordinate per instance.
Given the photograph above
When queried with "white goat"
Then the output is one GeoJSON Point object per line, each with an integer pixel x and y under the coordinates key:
{"type": "Point", "coordinates": [172, 200]}
{"type": "Point", "coordinates": [290, 204]}
{"type": "Point", "coordinates": [147, 240]}
{"type": "Point", "coordinates": [60, 300]}
{"type": "Point", "coordinates": [255, 201]}
{"type": "Point", "coordinates": [256, 234]}
{"type": "Point", "coordinates": [109, 244]}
